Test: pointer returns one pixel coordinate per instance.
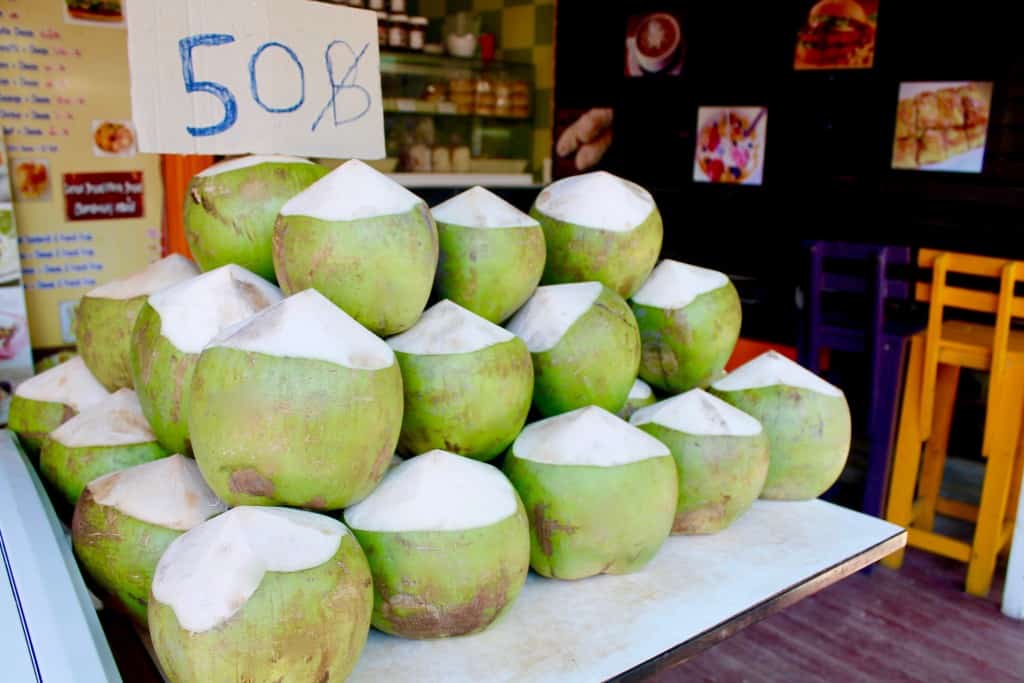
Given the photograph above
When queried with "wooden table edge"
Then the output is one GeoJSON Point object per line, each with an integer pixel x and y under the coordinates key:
{"type": "Point", "coordinates": [785, 598]}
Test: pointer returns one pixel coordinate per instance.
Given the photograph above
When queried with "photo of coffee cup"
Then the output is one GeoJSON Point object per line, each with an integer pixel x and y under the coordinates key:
{"type": "Point", "coordinates": [657, 40]}
{"type": "Point", "coordinates": [655, 45]}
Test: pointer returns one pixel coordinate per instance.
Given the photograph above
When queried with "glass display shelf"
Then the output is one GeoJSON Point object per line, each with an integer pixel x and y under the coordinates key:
{"type": "Point", "coordinates": [457, 117]}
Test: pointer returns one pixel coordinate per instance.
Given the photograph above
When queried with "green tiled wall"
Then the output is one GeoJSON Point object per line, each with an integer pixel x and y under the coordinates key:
{"type": "Point", "coordinates": [525, 31]}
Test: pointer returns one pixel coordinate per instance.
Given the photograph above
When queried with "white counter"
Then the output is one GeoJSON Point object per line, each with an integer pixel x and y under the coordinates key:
{"type": "Point", "coordinates": [48, 626]}
{"type": "Point", "coordinates": [593, 629]}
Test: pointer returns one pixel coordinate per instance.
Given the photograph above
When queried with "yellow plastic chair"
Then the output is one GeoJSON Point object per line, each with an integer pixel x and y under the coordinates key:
{"type": "Point", "coordinates": [936, 357]}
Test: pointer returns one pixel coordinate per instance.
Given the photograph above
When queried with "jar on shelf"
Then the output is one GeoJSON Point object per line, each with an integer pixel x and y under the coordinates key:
{"type": "Point", "coordinates": [462, 92]}
{"type": "Point", "coordinates": [435, 92]}
{"type": "Point", "coordinates": [461, 159]}
{"type": "Point", "coordinates": [441, 159]}
{"type": "Point", "coordinates": [398, 32]}
{"type": "Point", "coordinates": [417, 158]}
{"type": "Point", "coordinates": [485, 97]}
{"type": "Point", "coordinates": [397, 7]}
{"type": "Point", "coordinates": [417, 33]}
{"type": "Point", "coordinates": [356, 3]}
{"type": "Point", "coordinates": [503, 98]}
{"type": "Point", "coordinates": [377, 5]}
{"type": "Point", "coordinates": [520, 99]}
{"type": "Point", "coordinates": [383, 28]}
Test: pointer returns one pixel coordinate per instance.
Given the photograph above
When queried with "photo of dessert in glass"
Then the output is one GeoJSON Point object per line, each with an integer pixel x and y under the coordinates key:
{"type": "Point", "coordinates": [730, 145]}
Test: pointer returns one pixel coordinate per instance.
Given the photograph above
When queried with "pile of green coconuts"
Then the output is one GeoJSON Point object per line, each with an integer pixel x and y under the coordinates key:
{"type": "Point", "coordinates": [228, 432]}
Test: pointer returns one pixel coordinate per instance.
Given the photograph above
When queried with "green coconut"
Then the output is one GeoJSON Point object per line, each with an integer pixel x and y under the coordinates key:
{"type": "Point", "coordinates": [42, 403]}
{"type": "Point", "coordinates": [298, 406]}
{"type": "Point", "coordinates": [261, 595]}
{"type": "Point", "coordinates": [106, 316]}
{"type": "Point", "coordinates": [106, 437]}
{"type": "Point", "coordinates": [807, 421]}
{"type": "Point", "coordinates": [585, 346]}
{"type": "Point", "coordinates": [492, 254]}
{"type": "Point", "coordinates": [173, 327]}
{"type": "Point", "coordinates": [231, 207]}
{"type": "Point", "coordinates": [448, 545]}
{"type": "Point", "coordinates": [363, 241]}
{"type": "Point", "coordinates": [640, 396]}
{"type": "Point", "coordinates": [600, 227]}
{"type": "Point", "coordinates": [124, 522]}
{"type": "Point", "coordinates": [689, 320]}
{"type": "Point", "coordinates": [600, 494]}
{"type": "Point", "coordinates": [721, 457]}
{"type": "Point", "coordinates": [468, 383]}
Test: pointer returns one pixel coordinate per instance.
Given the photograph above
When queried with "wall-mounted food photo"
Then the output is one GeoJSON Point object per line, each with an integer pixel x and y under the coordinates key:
{"type": "Point", "coordinates": [942, 126]}
{"type": "Point", "coordinates": [730, 145]}
{"type": "Point", "coordinates": [10, 264]}
{"type": "Point", "coordinates": [837, 34]}
{"type": "Point", "coordinates": [113, 139]}
{"type": "Point", "coordinates": [108, 12]}
{"type": "Point", "coordinates": [655, 45]}
{"type": "Point", "coordinates": [5, 177]}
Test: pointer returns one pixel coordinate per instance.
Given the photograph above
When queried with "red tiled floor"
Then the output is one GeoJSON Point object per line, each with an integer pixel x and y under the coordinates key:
{"type": "Point", "coordinates": [912, 625]}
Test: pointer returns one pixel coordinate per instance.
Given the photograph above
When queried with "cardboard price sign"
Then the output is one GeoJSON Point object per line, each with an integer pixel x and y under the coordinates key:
{"type": "Point", "coordinates": [267, 76]}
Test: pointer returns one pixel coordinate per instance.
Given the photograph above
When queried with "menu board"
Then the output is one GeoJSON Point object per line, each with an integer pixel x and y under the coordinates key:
{"type": "Point", "coordinates": [15, 349]}
{"type": "Point", "coordinates": [88, 206]}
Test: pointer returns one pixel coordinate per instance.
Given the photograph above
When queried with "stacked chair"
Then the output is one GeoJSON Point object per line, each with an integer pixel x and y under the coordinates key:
{"type": "Point", "coordinates": [851, 293]}
{"type": "Point", "coordinates": [972, 308]}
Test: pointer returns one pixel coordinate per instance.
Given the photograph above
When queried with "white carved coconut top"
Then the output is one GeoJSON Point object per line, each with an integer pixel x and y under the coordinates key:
{"type": "Point", "coordinates": [640, 390]}
{"type": "Point", "coordinates": [447, 328]}
{"type": "Point", "coordinates": [117, 420]}
{"type": "Point", "coordinates": [773, 369]}
{"type": "Point", "coordinates": [551, 311]}
{"type": "Point", "coordinates": [597, 200]}
{"type": "Point", "coordinates": [70, 384]}
{"type": "Point", "coordinates": [586, 436]}
{"type": "Point", "coordinates": [207, 574]}
{"type": "Point", "coordinates": [169, 492]}
{"type": "Point", "coordinates": [480, 208]}
{"type": "Point", "coordinates": [247, 161]}
{"type": "Point", "coordinates": [154, 277]}
{"type": "Point", "coordinates": [195, 311]}
{"type": "Point", "coordinates": [353, 190]}
{"type": "Point", "coordinates": [698, 412]}
{"type": "Point", "coordinates": [308, 325]}
{"type": "Point", "coordinates": [674, 285]}
{"type": "Point", "coordinates": [436, 491]}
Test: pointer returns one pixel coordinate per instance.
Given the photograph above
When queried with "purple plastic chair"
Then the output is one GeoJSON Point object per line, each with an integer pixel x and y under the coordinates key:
{"type": "Point", "coordinates": [861, 275]}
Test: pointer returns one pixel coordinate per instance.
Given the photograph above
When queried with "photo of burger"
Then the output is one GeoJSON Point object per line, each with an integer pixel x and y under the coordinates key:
{"type": "Point", "coordinates": [730, 145]}
{"type": "Point", "coordinates": [95, 11]}
{"type": "Point", "coordinates": [838, 34]}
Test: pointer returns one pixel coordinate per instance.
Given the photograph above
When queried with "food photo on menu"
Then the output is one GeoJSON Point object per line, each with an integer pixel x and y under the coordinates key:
{"type": "Point", "coordinates": [95, 11]}
{"type": "Point", "coordinates": [655, 45]}
{"type": "Point", "coordinates": [942, 126]}
{"type": "Point", "coordinates": [730, 145]}
{"type": "Point", "coordinates": [113, 138]}
{"type": "Point", "coordinates": [10, 265]}
{"type": "Point", "coordinates": [837, 34]}
{"type": "Point", "coordinates": [31, 179]}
